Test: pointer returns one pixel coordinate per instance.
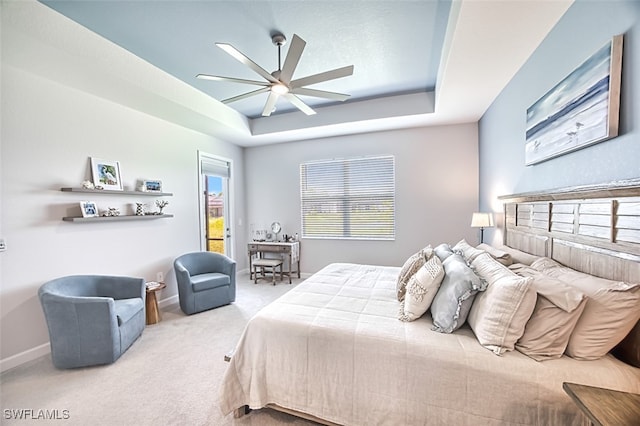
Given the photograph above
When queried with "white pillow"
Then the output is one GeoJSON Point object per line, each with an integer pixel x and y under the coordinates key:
{"type": "Point", "coordinates": [421, 290]}
{"type": "Point", "coordinates": [499, 314]}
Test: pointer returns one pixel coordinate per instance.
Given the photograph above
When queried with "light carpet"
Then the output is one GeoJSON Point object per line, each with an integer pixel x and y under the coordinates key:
{"type": "Point", "coordinates": [169, 376]}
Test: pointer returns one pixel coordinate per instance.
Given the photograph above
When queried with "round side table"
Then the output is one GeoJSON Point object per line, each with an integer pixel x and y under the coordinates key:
{"type": "Point", "coordinates": [153, 313]}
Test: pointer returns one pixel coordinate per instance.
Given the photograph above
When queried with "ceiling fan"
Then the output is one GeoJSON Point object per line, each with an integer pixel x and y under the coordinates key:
{"type": "Point", "coordinates": [279, 83]}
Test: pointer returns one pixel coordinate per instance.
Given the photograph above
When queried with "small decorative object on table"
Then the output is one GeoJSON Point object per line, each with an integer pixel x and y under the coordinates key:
{"type": "Point", "coordinates": [275, 229]}
{"type": "Point", "coordinates": [161, 204]}
{"type": "Point", "coordinates": [152, 285]}
{"type": "Point", "coordinates": [139, 209]}
{"type": "Point", "coordinates": [87, 184]}
{"type": "Point", "coordinates": [111, 211]}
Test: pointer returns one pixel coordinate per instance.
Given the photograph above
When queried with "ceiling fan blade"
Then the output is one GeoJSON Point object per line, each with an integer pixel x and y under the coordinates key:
{"type": "Point", "coordinates": [319, 94]}
{"type": "Point", "coordinates": [293, 57]}
{"type": "Point", "coordinates": [246, 95]}
{"type": "Point", "coordinates": [270, 105]}
{"type": "Point", "coordinates": [234, 80]}
{"type": "Point", "coordinates": [323, 76]}
{"type": "Point", "coordinates": [297, 102]}
{"type": "Point", "coordinates": [245, 60]}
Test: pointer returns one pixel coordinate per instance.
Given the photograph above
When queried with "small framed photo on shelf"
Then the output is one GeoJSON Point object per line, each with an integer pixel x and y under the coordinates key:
{"type": "Point", "coordinates": [151, 185]}
{"type": "Point", "coordinates": [106, 174]}
{"type": "Point", "coordinates": [89, 209]}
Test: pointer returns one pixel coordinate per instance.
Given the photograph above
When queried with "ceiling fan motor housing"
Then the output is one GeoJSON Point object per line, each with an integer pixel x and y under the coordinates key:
{"type": "Point", "coordinates": [279, 39]}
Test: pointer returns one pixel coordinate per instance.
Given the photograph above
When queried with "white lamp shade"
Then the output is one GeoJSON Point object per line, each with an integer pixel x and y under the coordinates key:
{"type": "Point", "coordinates": [482, 220]}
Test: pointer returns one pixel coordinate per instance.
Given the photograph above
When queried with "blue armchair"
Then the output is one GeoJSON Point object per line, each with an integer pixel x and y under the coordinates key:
{"type": "Point", "coordinates": [92, 319]}
{"type": "Point", "coordinates": [205, 280]}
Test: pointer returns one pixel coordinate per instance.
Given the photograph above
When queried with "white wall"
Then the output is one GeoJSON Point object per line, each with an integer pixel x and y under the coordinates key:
{"type": "Point", "coordinates": [436, 190]}
{"type": "Point", "coordinates": [49, 131]}
{"type": "Point", "coordinates": [58, 110]}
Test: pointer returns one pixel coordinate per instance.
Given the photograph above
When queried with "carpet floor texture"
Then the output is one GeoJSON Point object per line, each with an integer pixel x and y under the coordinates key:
{"type": "Point", "coordinates": [169, 376]}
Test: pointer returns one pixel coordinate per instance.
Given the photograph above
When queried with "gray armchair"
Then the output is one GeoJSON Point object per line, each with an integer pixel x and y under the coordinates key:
{"type": "Point", "coordinates": [205, 280]}
{"type": "Point", "coordinates": [92, 319]}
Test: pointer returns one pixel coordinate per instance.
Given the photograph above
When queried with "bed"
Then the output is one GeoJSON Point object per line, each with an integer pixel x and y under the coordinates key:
{"type": "Point", "coordinates": [333, 350]}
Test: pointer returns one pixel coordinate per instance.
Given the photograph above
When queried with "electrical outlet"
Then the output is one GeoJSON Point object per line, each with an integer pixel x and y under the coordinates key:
{"type": "Point", "coordinates": [160, 277]}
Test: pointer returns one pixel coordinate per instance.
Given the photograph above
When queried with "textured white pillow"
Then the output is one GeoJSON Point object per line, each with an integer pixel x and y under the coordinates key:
{"type": "Point", "coordinates": [499, 314]}
{"type": "Point", "coordinates": [410, 267]}
{"type": "Point", "coordinates": [468, 252]}
{"type": "Point", "coordinates": [421, 290]}
{"type": "Point", "coordinates": [611, 311]}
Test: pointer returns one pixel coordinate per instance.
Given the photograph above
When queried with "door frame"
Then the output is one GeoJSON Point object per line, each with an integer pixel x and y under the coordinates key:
{"type": "Point", "coordinates": [229, 242]}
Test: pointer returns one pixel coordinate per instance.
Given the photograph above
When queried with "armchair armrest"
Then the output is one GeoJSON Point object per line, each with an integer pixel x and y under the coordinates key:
{"type": "Point", "coordinates": [182, 274]}
{"type": "Point", "coordinates": [76, 322]}
{"type": "Point", "coordinates": [227, 266]}
{"type": "Point", "coordinates": [120, 287]}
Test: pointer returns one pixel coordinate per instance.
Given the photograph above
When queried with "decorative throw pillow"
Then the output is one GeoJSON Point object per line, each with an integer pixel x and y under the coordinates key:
{"type": "Point", "coordinates": [443, 251]}
{"type": "Point", "coordinates": [558, 308]}
{"type": "Point", "coordinates": [611, 311]}
{"type": "Point", "coordinates": [499, 255]}
{"type": "Point", "coordinates": [410, 267]}
{"type": "Point", "coordinates": [499, 314]}
{"type": "Point", "coordinates": [421, 290]}
{"type": "Point", "coordinates": [469, 253]}
{"type": "Point", "coordinates": [453, 300]}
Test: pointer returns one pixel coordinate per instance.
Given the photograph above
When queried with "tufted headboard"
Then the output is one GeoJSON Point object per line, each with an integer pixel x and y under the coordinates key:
{"type": "Point", "coordinates": [593, 229]}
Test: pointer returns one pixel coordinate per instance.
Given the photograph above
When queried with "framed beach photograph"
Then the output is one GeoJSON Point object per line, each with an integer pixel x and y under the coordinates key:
{"type": "Point", "coordinates": [106, 174]}
{"type": "Point", "coordinates": [89, 209]}
{"type": "Point", "coordinates": [581, 110]}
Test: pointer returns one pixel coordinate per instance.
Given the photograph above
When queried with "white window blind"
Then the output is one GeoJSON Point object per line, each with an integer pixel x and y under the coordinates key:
{"type": "Point", "coordinates": [348, 198]}
{"type": "Point", "coordinates": [214, 167]}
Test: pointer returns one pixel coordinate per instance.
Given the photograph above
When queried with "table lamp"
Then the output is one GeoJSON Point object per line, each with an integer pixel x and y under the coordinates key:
{"type": "Point", "coordinates": [482, 220]}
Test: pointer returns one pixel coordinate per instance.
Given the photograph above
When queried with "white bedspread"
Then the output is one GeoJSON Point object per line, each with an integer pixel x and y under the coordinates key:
{"type": "Point", "coordinates": [333, 347]}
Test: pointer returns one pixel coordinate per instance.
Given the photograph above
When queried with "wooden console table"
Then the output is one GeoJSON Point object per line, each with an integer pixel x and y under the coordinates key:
{"type": "Point", "coordinates": [605, 407]}
{"type": "Point", "coordinates": [292, 250]}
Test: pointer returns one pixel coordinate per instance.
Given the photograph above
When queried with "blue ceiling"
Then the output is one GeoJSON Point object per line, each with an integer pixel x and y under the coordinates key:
{"type": "Point", "coordinates": [395, 46]}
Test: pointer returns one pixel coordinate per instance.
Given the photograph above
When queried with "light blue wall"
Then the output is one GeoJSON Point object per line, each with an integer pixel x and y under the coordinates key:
{"type": "Point", "coordinates": [585, 27]}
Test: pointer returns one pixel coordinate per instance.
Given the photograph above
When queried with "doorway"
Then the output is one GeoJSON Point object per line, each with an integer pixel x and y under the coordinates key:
{"type": "Point", "coordinates": [215, 175]}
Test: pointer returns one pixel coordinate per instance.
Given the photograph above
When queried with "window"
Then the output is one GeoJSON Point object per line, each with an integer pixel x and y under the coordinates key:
{"type": "Point", "coordinates": [349, 198]}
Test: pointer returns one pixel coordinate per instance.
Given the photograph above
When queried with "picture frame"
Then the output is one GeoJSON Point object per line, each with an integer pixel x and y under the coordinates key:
{"type": "Point", "coordinates": [151, 185]}
{"type": "Point", "coordinates": [89, 209]}
{"type": "Point", "coordinates": [106, 174]}
{"type": "Point", "coordinates": [581, 110]}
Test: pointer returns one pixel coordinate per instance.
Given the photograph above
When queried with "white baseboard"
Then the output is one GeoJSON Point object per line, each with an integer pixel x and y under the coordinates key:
{"type": "Point", "coordinates": [24, 357]}
{"type": "Point", "coordinates": [39, 351]}
{"type": "Point", "coordinates": [42, 350]}
{"type": "Point", "coordinates": [168, 301]}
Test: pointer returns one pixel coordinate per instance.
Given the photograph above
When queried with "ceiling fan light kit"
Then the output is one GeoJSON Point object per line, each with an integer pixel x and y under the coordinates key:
{"type": "Point", "coordinates": [279, 83]}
